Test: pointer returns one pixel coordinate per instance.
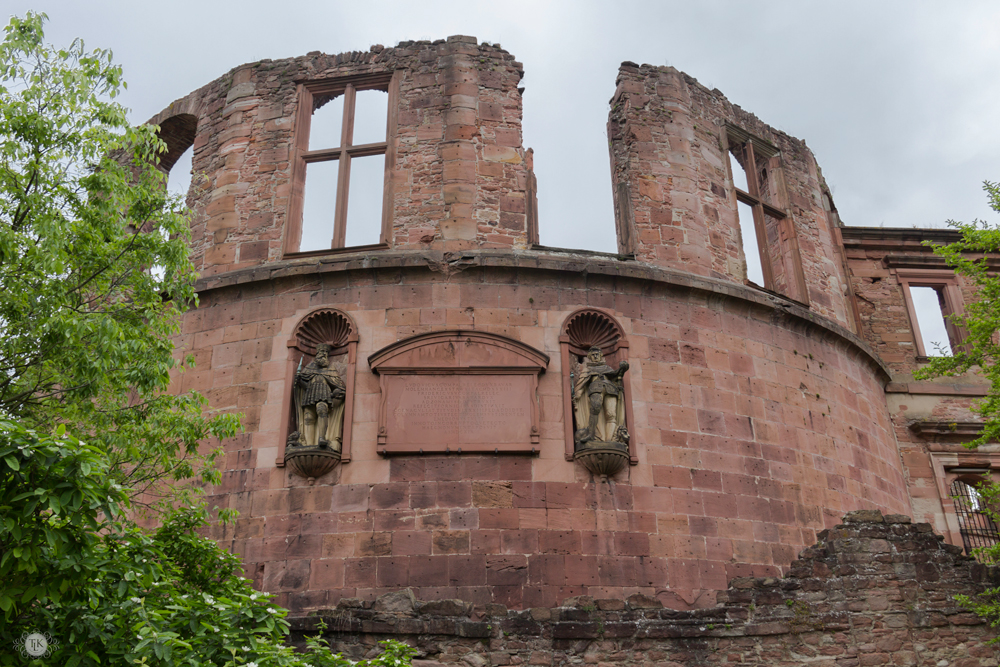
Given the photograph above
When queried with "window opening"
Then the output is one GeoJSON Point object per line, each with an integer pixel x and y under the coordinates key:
{"type": "Point", "coordinates": [770, 244]}
{"type": "Point", "coordinates": [976, 527]}
{"type": "Point", "coordinates": [752, 183]}
{"type": "Point", "coordinates": [178, 133]}
{"type": "Point", "coordinates": [740, 178]}
{"type": "Point", "coordinates": [341, 174]}
{"type": "Point", "coordinates": [179, 176]}
{"type": "Point", "coordinates": [755, 270]}
{"type": "Point", "coordinates": [319, 202]}
{"type": "Point", "coordinates": [365, 210]}
{"type": "Point", "coordinates": [931, 297]}
{"type": "Point", "coordinates": [327, 124]}
{"type": "Point", "coordinates": [929, 308]}
{"type": "Point", "coordinates": [370, 110]}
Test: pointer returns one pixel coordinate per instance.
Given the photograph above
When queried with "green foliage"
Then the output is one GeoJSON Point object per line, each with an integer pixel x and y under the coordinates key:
{"type": "Point", "coordinates": [55, 497]}
{"type": "Point", "coordinates": [980, 349]}
{"type": "Point", "coordinates": [980, 353]}
{"type": "Point", "coordinates": [94, 266]}
{"type": "Point", "coordinates": [174, 598]}
{"type": "Point", "coordinates": [85, 321]}
{"type": "Point", "coordinates": [94, 272]}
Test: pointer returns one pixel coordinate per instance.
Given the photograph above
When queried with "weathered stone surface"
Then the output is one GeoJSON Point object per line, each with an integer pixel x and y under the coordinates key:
{"type": "Point", "coordinates": [758, 420]}
{"type": "Point", "coordinates": [398, 602]}
{"type": "Point", "coordinates": [676, 532]}
{"type": "Point", "coordinates": [445, 608]}
{"type": "Point", "coordinates": [674, 185]}
{"type": "Point", "coordinates": [863, 516]}
{"type": "Point", "coordinates": [826, 618]}
{"type": "Point", "coordinates": [640, 601]}
{"type": "Point", "coordinates": [610, 605]}
{"type": "Point", "coordinates": [933, 417]}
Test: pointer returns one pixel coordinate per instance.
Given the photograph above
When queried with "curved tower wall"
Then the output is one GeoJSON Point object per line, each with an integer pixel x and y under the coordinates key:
{"type": "Point", "coordinates": [755, 420]}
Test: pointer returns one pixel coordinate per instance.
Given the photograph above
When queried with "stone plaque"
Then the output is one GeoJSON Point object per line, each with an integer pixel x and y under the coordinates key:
{"type": "Point", "coordinates": [454, 392]}
{"type": "Point", "coordinates": [464, 410]}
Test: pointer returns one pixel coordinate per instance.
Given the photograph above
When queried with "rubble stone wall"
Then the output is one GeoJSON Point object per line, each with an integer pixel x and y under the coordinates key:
{"type": "Point", "coordinates": [872, 591]}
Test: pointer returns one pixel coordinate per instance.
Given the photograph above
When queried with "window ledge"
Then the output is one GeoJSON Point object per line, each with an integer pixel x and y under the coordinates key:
{"type": "Point", "coordinates": [926, 359]}
{"type": "Point", "coordinates": [749, 283]}
{"type": "Point", "coordinates": [336, 251]}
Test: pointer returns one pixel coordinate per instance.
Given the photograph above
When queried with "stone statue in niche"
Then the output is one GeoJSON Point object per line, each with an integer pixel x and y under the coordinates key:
{"type": "Point", "coordinates": [319, 392]}
{"type": "Point", "coordinates": [599, 402]}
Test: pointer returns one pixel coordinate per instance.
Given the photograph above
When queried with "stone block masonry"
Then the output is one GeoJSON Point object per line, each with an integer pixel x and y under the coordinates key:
{"type": "Point", "coordinates": [757, 415]}
{"type": "Point", "coordinates": [675, 202]}
{"type": "Point", "coordinates": [931, 418]}
{"type": "Point", "coordinates": [756, 432]}
{"type": "Point", "coordinates": [459, 176]}
{"type": "Point", "coordinates": [873, 591]}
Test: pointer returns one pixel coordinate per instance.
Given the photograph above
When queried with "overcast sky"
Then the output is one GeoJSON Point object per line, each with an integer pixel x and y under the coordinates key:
{"type": "Point", "coordinates": [898, 100]}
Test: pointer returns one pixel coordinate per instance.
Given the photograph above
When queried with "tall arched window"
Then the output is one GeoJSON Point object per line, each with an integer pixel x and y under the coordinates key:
{"type": "Point", "coordinates": [178, 133]}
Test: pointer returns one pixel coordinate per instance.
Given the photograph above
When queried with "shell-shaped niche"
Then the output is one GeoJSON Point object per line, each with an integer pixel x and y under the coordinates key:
{"type": "Point", "coordinates": [592, 328]}
{"type": "Point", "coordinates": [323, 326]}
{"type": "Point", "coordinates": [604, 460]}
{"type": "Point", "coordinates": [311, 463]}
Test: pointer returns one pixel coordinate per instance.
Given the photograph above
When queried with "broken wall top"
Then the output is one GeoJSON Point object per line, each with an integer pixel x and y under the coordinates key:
{"type": "Point", "coordinates": [675, 145]}
{"type": "Point", "coordinates": [457, 173]}
{"type": "Point", "coordinates": [458, 177]}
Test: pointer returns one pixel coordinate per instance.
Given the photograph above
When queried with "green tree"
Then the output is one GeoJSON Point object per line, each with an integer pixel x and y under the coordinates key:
{"type": "Point", "coordinates": [979, 352]}
{"type": "Point", "coordinates": [94, 273]}
{"type": "Point", "coordinates": [85, 324]}
{"type": "Point", "coordinates": [84, 217]}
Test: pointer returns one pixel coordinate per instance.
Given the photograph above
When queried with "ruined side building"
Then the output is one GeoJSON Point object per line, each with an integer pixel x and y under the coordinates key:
{"type": "Point", "coordinates": [434, 401]}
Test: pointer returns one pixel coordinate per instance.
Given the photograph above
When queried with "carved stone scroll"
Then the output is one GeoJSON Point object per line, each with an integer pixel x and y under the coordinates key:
{"type": "Point", "coordinates": [458, 391]}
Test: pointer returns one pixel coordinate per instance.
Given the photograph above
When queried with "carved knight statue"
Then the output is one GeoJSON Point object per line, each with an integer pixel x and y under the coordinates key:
{"type": "Point", "coordinates": [319, 393]}
{"type": "Point", "coordinates": [599, 401]}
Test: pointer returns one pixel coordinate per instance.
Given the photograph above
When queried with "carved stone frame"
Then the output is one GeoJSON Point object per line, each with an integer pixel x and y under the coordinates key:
{"type": "Point", "coordinates": [494, 355]}
{"type": "Point", "coordinates": [761, 154]}
{"type": "Point", "coordinates": [347, 86]}
{"type": "Point", "coordinates": [337, 329]}
{"type": "Point", "coordinates": [603, 331]}
{"type": "Point", "coordinates": [945, 283]}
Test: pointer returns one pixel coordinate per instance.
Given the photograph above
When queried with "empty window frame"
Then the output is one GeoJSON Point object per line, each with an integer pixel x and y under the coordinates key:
{"type": "Point", "coordinates": [341, 187]}
{"type": "Point", "coordinates": [931, 297]}
{"type": "Point", "coordinates": [769, 242]}
{"type": "Point", "coordinates": [178, 133]}
{"type": "Point", "coordinates": [976, 525]}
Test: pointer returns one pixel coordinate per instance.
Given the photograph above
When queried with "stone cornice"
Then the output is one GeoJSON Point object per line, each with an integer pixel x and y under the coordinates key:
{"type": "Point", "coordinates": [568, 261]}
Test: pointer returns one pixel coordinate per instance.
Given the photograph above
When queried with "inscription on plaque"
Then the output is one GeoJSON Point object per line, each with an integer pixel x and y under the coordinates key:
{"type": "Point", "coordinates": [459, 409]}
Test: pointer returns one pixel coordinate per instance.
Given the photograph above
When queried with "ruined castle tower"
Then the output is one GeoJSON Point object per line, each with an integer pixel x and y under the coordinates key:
{"type": "Point", "coordinates": [433, 401]}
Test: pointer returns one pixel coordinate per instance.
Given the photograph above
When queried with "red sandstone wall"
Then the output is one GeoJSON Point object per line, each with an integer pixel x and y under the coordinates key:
{"type": "Point", "coordinates": [875, 257]}
{"type": "Point", "coordinates": [757, 422]}
{"type": "Point", "coordinates": [459, 179]}
{"type": "Point", "coordinates": [675, 201]}
{"type": "Point", "coordinates": [873, 591]}
{"type": "Point", "coordinates": [754, 430]}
